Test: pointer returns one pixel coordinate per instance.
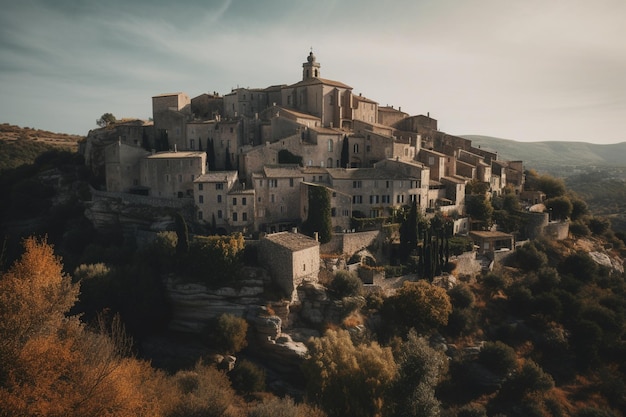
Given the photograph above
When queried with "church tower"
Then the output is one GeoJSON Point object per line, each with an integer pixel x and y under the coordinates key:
{"type": "Point", "coordinates": [311, 68]}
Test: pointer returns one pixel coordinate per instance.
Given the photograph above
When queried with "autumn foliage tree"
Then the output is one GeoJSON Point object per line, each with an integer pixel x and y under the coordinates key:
{"type": "Point", "coordinates": [347, 379]}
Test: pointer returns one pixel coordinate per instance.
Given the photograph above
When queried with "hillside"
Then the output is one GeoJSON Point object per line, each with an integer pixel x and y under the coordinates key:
{"type": "Point", "coordinates": [546, 155]}
{"type": "Point", "coordinates": [21, 145]}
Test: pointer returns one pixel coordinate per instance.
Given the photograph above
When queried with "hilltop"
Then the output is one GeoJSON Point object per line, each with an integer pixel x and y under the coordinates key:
{"type": "Point", "coordinates": [543, 155]}
{"type": "Point", "coordinates": [21, 145]}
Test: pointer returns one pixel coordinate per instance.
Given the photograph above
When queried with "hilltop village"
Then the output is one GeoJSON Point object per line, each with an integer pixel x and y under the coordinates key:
{"type": "Point", "coordinates": [247, 161]}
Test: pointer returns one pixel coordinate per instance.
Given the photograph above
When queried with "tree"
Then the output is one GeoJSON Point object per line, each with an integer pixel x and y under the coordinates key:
{"type": "Point", "coordinates": [561, 207]}
{"type": "Point", "coordinates": [553, 187]}
{"type": "Point", "coordinates": [182, 235]}
{"type": "Point", "coordinates": [479, 208]}
{"type": "Point", "coordinates": [345, 152]}
{"type": "Point", "coordinates": [347, 379]}
{"type": "Point", "coordinates": [210, 154]}
{"type": "Point", "coordinates": [409, 232]}
{"type": "Point", "coordinates": [318, 217]}
{"type": "Point", "coordinates": [420, 305]}
{"type": "Point", "coordinates": [229, 333]}
{"type": "Point", "coordinates": [346, 284]}
{"type": "Point", "coordinates": [106, 119]}
{"type": "Point", "coordinates": [420, 368]}
{"type": "Point", "coordinates": [228, 164]}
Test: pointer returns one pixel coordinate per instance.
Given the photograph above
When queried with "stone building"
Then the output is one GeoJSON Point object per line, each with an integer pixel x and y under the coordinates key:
{"type": "Point", "coordinates": [171, 174]}
{"type": "Point", "coordinates": [122, 170]}
{"type": "Point", "coordinates": [223, 202]}
{"type": "Point", "coordinates": [170, 112]}
{"type": "Point", "coordinates": [277, 202]}
{"type": "Point", "coordinates": [291, 259]}
{"type": "Point", "coordinates": [340, 206]}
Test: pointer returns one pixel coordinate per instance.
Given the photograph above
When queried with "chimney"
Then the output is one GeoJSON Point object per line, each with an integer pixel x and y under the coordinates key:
{"type": "Point", "coordinates": [316, 236]}
{"type": "Point", "coordinates": [175, 148]}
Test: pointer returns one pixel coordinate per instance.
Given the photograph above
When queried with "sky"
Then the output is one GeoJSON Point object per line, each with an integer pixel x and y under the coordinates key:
{"type": "Point", "coordinates": [527, 70]}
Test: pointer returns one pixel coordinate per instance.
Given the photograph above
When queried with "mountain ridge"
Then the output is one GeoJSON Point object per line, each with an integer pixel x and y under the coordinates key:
{"type": "Point", "coordinates": [550, 153]}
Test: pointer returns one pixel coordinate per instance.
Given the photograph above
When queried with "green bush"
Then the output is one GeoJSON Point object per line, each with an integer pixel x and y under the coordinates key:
{"type": "Point", "coordinates": [228, 333]}
{"type": "Point", "coordinates": [247, 378]}
{"type": "Point", "coordinates": [346, 284]}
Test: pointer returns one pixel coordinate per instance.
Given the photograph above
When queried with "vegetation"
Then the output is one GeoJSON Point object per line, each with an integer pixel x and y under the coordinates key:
{"type": "Point", "coordinates": [318, 218]}
{"type": "Point", "coordinates": [106, 119]}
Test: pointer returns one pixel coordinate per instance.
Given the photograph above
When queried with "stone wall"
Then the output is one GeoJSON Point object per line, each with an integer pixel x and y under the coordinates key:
{"type": "Point", "coordinates": [349, 243]}
{"type": "Point", "coordinates": [557, 230]}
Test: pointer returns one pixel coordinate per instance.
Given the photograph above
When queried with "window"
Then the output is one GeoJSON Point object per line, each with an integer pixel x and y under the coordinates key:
{"type": "Point", "coordinates": [219, 186]}
{"type": "Point", "coordinates": [386, 199]}
{"type": "Point", "coordinates": [243, 201]}
{"type": "Point", "coordinates": [357, 199]}
{"type": "Point", "coordinates": [193, 177]}
{"type": "Point", "coordinates": [200, 215]}
{"type": "Point", "coordinates": [167, 177]}
{"type": "Point", "coordinates": [219, 198]}
{"type": "Point", "coordinates": [329, 162]}
{"type": "Point", "coordinates": [234, 201]}
{"type": "Point", "coordinates": [368, 148]}
{"type": "Point", "coordinates": [333, 212]}
{"type": "Point", "coordinates": [231, 130]}
{"type": "Point", "coordinates": [272, 198]}
{"type": "Point", "coordinates": [355, 148]}
{"type": "Point", "coordinates": [357, 184]}
{"type": "Point", "coordinates": [330, 145]}
{"type": "Point", "coordinates": [219, 214]}
{"type": "Point", "coordinates": [191, 144]}
{"type": "Point", "coordinates": [412, 198]}
{"type": "Point", "coordinates": [345, 213]}
{"type": "Point", "coordinates": [260, 183]}
{"type": "Point", "coordinates": [273, 183]}
{"type": "Point", "coordinates": [180, 177]}
{"type": "Point", "coordinates": [374, 199]}
{"type": "Point", "coordinates": [244, 217]}
{"type": "Point", "coordinates": [400, 198]}
{"type": "Point", "coordinates": [291, 182]}
{"type": "Point", "coordinates": [235, 216]}
{"type": "Point", "coordinates": [201, 199]}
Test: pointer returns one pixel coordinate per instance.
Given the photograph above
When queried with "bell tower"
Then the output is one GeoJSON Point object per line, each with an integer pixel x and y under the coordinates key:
{"type": "Point", "coordinates": [311, 68]}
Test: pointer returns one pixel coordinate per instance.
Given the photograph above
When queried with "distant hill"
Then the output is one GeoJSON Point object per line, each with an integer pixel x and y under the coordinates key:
{"type": "Point", "coordinates": [21, 145]}
{"type": "Point", "coordinates": [541, 155]}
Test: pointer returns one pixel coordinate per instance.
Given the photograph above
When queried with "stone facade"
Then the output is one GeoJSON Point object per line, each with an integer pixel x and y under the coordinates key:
{"type": "Point", "coordinates": [291, 259]}
{"type": "Point", "coordinates": [122, 167]}
{"type": "Point", "coordinates": [171, 174]}
{"type": "Point", "coordinates": [220, 197]}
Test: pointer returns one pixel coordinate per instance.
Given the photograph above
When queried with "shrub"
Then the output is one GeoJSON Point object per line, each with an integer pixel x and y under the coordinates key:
{"type": "Point", "coordinates": [228, 333]}
{"type": "Point", "coordinates": [247, 378]}
{"type": "Point", "coordinates": [529, 258]}
{"type": "Point", "coordinates": [284, 407]}
{"type": "Point", "coordinates": [498, 357]}
{"type": "Point", "coordinates": [461, 296]}
{"type": "Point", "coordinates": [346, 284]}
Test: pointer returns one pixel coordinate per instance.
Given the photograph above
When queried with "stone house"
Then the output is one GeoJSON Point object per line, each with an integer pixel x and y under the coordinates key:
{"type": "Point", "coordinates": [291, 258]}
{"type": "Point", "coordinates": [277, 203]}
{"type": "Point", "coordinates": [219, 195]}
{"type": "Point", "coordinates": [490, 241]}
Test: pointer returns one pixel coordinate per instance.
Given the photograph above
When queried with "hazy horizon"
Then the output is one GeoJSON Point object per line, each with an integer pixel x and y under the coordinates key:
{"type": "Point", "coordinates": [527, 72]}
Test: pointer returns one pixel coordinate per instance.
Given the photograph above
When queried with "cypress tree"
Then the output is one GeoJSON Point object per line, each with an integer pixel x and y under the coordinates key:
{"type": "Point", "coordinates": [345, 152]}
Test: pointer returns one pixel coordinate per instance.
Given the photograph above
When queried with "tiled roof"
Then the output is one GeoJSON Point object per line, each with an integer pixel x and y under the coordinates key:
{"type": "Point", "coordinates": [292, 241]}
{"type": "Point", "coordinates": [367, 174]}
{"type": "Point", "coordinates": [216, 176]}
{"type": "Point", "coordinates": [282, 171]}
{"type": "Point", "coordinates": [182, 154]}
{"type": "Point", "coordinates": [324, 81]}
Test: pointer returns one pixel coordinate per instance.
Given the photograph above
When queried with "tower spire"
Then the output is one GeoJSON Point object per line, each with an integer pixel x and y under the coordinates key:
{"type": "Point", "coordinates": [311, 68]}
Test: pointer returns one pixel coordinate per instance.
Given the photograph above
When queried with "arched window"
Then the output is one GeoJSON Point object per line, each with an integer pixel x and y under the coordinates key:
{"type": "Point", "coordinates": [330, 145]}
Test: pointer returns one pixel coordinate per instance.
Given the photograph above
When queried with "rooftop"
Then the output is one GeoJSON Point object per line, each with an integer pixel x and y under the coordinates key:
{"type": "Point", "coordinates": [216, 176]}
{"type": "Point", "coordinates": [292, 241]}
{"type": "Point", "coordinates": [367, 174]}
{"type": "Point", "coordinates": [177, 155]}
